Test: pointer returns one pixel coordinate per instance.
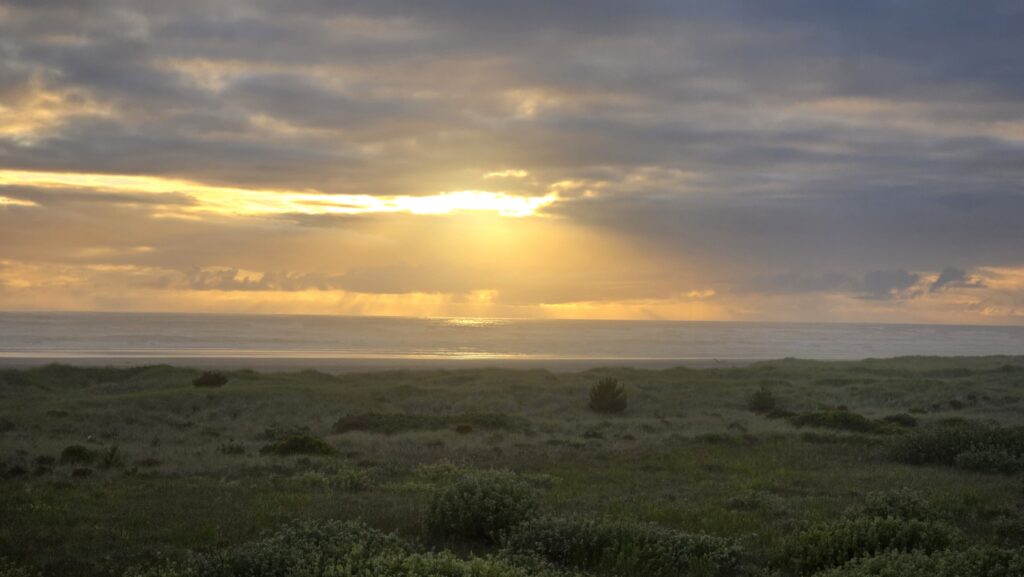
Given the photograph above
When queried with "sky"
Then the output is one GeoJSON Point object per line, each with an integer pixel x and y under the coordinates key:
{"type": "Point", "coordinates": [787, 160]}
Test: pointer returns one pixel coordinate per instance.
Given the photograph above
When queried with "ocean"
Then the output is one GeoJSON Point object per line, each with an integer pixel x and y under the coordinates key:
{"type": "Point", "coordinates": [31, 337]}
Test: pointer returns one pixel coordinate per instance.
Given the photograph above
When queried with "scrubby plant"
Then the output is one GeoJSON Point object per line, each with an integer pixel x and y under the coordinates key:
{"type": "Point", "coordinates": [901, 419]}
{"type": "Point", "coordinates": [762, 401]}
{"type": "Point", "coordinates": [900, 503]}
{"type": "Point", "coordinates": [77, 455]}
{"type": "Point", "coordinates": [972, 562]}
{"type": "Point", "coordinates": [837, 419]}
{"type": "Point", "coordinates": [298, 445]}
{"type": "Point", "coordinates": [480, 505]}
{"type": "Point", "coordinates": [393, 423]}
{"type": "Point", "coordinates": [210, 379]}
{"type": "Point", "coordinates": [9, 569]}
{"type": "Point", "coordinates": [967, 444]}
{"type": "Point", "coordinates": [833, 544]}
{"type": "Point", "coordinates": [6, 425]}
{"type": "Point", "coordinates": [110, 458]}
{"type": "Point", "coordinates": [608, 396]}
{"type": "Point", "coordinates": [608, 547]}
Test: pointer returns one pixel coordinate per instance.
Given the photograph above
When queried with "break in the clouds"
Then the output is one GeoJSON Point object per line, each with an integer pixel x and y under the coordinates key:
{"type": "Point", "coordinates": [791, 160]}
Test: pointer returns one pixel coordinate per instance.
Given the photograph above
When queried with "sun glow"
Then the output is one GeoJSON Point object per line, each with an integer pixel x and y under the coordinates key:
{"type": "Point", "coordinates": [256, 202]}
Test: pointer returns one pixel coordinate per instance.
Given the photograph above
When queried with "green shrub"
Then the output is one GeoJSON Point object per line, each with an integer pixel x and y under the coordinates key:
{"type": "Point", "coordinates": [298, 445]}
{"type": "Point", "coordinates": [393, 423]}
{"type": "Point", "coordinates": [608, 396]}
{"type": "Point", "coordinates": [8, 569]}
{"type": "Point", "coordinates": [900, 503]}
{"type": "Point", "coordinates": [6, 425]}
{"type": "Point", "coordinates": [623, 548]}
{"type": "Point", "coordinates": [833, 544]}
{"type": "Point", "coordinates": [110, 458]}
{"type": "Point", "coordinates": [77, 455]}
{"type": "Point", "coordinates": [305, 549]}
{"type": "Point", "coordinates": [902, 420]}
{"type": "Point", "coordinates": [210, 379]}
{"type": "Point", "coordinates": [480, 505]}
{"type": "Point", "coordinates": [837, 419]}
{"type": "Point", "coordinates": [973, 562]}
{"type": "Point", "coordinates": [762, 401]}
{"type": "Point", "coordinates": [967, 444]}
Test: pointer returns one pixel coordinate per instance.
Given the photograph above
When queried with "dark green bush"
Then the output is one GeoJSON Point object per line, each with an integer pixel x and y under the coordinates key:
{"type": "Point", "coordinates": [967, 444]}
{"type": "Point", "coordinates": [901, 419]}
{"type": "Point", "coordinates": [762, 401]}
{"type": "Point", "coordinates": [623, 548]}
{"type": "Point", "coordinates": [393, 423]}
{"type": "Point", "coordinates": [837, 419]}
{"type": "Point", "coordinates": [480, 505]}
{"type": "Point", "coordinates": [298, 445]}
{"type": "Point", "coordinates": [210, 379]}
{"type": "Point", "coordinates": [900, 503]}
{"type": "Point", "coordinates": [6, 425]}
{"type": "Point", "coordinates": [973, 562]}
{"type": "Point", "coordinates": [77, 455]}
{"type": "Point", "coordinates": [110, 458]}
{"type": "Point", "coordinates": [306, 549]}
{"type": "Point", "coordinates": [833, 544]}
{"type": "Point", "coordinates": [608, 396]}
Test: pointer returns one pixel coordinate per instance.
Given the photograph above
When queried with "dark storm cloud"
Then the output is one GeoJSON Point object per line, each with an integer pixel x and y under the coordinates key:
{"type": "Point", "coordinates": [952, 276]}
{"type": "Point", "coordinates": [786, 147]}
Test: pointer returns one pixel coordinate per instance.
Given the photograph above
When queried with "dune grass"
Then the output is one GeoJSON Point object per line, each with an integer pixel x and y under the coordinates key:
{"type": "Point", "coordinates": [103, 470]}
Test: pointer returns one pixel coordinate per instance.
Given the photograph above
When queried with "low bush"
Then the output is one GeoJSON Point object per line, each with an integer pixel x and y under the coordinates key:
{"type": "Point", "coordinates": [608, 396]}
{"type": "Point", "coordinates": [8, 569]}
{"type": "Point", "coordinates": [900, 503]}
{"type": "Point", "coordinates": [973, 562]}
{"type": "Point", "coordinates": [902, 420]}
{"type": "Point", "coordinates": [762, 401]}
{"type": "Point", "coordinates": [210, 379]}
{"type": "Point", "coordinates": [77, 455]}
{"type": "Point", "coordinates": [623, 548]}
{"type": "Point", "coordinates": [393, 423]}
{"type": "Point", "coordinates": [480, 505]}
{"type": "Point", "coordinates": [306, 549]}
{"type": "Point", "coordinates": [835, 419]}
{"type": "Point", "coordinates": [966, 444]}
{"type": "Point", "coordinates": [298, 445]}
{"type": "Point", "coordinates": [6, 425]}
{"type": "Point", "coordinates": [110, 458]}
{"type": "Point", "coordinates": [833, 544]}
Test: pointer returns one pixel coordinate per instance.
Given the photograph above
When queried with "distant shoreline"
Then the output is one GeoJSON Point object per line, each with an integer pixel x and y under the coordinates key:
{"type": "Point", "coordinates": [347, 365]}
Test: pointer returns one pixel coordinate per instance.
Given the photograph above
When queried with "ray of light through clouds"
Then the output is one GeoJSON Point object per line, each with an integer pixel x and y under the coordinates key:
{"type": "Point", "coordinates": [737, 159]}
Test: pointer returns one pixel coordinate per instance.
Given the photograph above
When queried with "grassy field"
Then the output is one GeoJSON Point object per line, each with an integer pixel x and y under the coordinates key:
{"type": "Point", "coordinates": [881, 467]}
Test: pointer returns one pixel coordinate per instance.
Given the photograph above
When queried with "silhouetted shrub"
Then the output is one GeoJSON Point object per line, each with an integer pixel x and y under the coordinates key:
{"type": "Point", "coordinates": [972, 562]}
{"type": "Point", "coordinates": [210, 379]}
{"type": "Point", "coordinates": [967, 444]}
{"type": "Point", "coordinates": [77, 454]}
{"type": "Point", "coordinates": [463, 429]}
{"type": "Point", "coordinates": [232, 449]}
{"type": "Point", "coordinates": [901, 419]}
{"type": "Point", "coordinates": [480, 505]}
{"type": "Point", "coordinates": [298, 445]}
{"type": "Point", "coordinates": [6, 425]}
{"type": "Point", "coordinates": [762, 401]}
{"type": "Point", "coordinates": [623, 548]}
{"type": "Point", "coordinates": [81, 472]}
{"type": "Point", "coordinates": [392, 423]}
{"type": "Point", "coordinates": [835, 419]}
{"type": "Point", "coordinates": [608, 396]}
{"type": "Point", "coordinates": [110, 458]}
{"type": "Point", "coordinates": [833, 544]}
{"type": "Point", "coordinates": [8, 569]}
{"type": "Point", "coordinates": [900, 503]}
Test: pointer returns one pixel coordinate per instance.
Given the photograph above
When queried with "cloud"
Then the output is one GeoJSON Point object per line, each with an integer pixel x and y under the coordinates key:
{"type": "Point", "coordinates": [890, 284]}
{"type": "Point", "coordinates": [955, 277]}
{"type": "Point", "coordinates": [772, 152]}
